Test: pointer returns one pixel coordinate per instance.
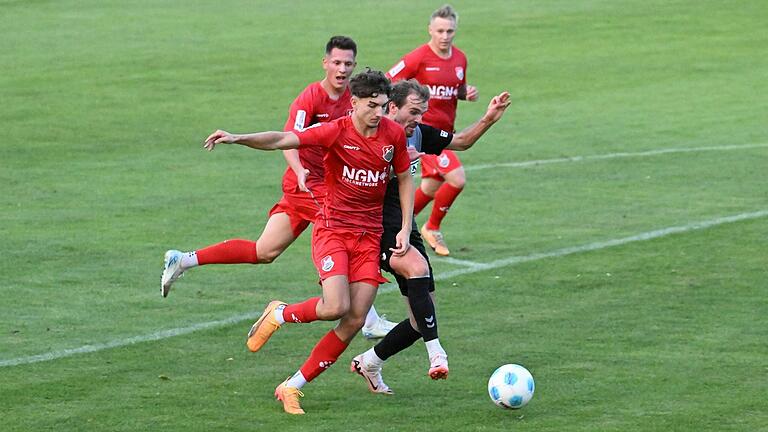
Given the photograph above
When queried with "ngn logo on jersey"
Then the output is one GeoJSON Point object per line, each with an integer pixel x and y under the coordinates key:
{"type": "Point", "coordinates": [363, 177]}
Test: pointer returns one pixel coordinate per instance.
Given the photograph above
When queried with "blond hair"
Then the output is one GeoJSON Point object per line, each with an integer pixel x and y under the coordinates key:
{"type": "Point", "coordinates": [446, 12]}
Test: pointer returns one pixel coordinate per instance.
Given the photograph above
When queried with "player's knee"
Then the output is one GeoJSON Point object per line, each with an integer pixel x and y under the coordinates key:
{"type": "Point", "coordinates": [334, 311]}
{"type": "Point", "coordinates": [414, 269]}
{"type": "Point", "coordinates": [458, 182]}
{"type": "Point", "coordinates": [268, 256]}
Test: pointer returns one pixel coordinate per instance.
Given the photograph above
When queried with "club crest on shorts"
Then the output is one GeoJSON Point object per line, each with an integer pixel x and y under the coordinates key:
{"type": "Point", "coordinates": [327, 263]}
{"type": "Point", "coordinates": [387, 152]}
{"type": "Point", "coordinates": [443, 161]}
{"type": "Point", "coordinates": [459, 72]}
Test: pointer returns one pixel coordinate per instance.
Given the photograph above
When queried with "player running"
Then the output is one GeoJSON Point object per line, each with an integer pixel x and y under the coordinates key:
{"type": "Point", "coordinates": [361, 153]}
{"type": "Point", "coordinates": [303, 186]}
{"type": "Point", "coordinates": [442, 67]}
{"type": "Point", "coordinates": [408, 102]}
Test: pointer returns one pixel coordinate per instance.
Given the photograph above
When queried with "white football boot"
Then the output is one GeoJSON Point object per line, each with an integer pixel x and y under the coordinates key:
{"type": "Point", "coordinates": [379, 329]}
{"type": "Point", "coordinates": [171, 271]}
{"type": "Point", "coordinates": [371, 374]}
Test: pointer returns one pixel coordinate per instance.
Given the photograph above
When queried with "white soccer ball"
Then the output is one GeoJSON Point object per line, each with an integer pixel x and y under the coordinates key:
{"type": "Point", "coordinates": [511, 386]}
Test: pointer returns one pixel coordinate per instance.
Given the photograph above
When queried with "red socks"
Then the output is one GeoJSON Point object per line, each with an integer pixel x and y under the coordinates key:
{"type": "Point", "coordinates": [420, 200]}
{"type": "Point", "coordinates": [302, 312]}
{"type": "Point", "coordinates": [235, 251]}
{"type": "Point", "coordinates": [323, 355]}
{"type": "Point", "coordinates": [444, 198]}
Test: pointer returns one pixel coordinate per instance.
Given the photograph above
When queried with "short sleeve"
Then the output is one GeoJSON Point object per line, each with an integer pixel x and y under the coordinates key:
{"type": "Point", "coordinates": [434, 140]}
{"type": "Point", "coordinates": [300, 113]}
{"type": "Point", "coordinates": [406, 68]}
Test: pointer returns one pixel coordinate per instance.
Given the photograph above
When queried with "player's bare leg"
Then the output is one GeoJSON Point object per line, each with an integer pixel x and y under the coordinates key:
{"type": "Point", "coordinates": [420, 325]}
{"type": "Point", "coordinates": [276, 237]}
{"type": "Point", "coordinates": [331, 306]}
{"type": "Point", "coordinates": [359, 298]}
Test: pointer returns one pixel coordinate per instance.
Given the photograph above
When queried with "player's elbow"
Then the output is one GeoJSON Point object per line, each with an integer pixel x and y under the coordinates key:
{"type": "Point", "coordinates": [461, 144]}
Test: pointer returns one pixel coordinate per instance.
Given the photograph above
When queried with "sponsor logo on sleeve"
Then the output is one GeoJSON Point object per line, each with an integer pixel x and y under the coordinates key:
{"type": "Point", "coordinates": [444, 134]}
{"type": "Point", "coordinates": [396, 69]}
{"type": "Point", "coordinates": [301, 118]}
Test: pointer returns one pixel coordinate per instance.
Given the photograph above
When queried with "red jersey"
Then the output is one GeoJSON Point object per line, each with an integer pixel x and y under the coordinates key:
{"type": "Point", "coordinates": [311, 106]}
{"type": "Point", "coordinates": [357, 170]}
{"type": "Point", "coordinates": [442, 76]}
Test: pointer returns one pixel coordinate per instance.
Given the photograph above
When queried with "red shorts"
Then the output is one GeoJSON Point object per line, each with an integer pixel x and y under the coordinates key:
{"type": "Point", "coordinates": [437, 166]}
{"type": "Point", "coordinates": [301, 209]}
{"type": "Point", "coordinates": [352, 254]}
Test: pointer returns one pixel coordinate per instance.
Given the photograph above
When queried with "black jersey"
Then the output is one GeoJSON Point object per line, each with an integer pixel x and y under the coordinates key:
{"type": "Point", "coordinates": [425, 139]}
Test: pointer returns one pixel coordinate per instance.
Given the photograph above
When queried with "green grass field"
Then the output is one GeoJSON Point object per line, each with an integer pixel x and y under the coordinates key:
{"type": "Point", "coordinates": [104, 109]}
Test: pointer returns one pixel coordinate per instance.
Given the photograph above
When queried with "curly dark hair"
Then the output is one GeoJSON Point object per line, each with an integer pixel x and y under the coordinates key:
{"type": "Point", "coordinates": [370, 83]}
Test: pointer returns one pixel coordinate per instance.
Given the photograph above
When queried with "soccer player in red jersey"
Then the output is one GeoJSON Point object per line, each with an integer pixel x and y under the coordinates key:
{"type": "Point", "coordinates": [408, 103]}
{"type": "Point", "coordinates": [442, 67]}
{"type": "Point", "coordinates": [361, 153]}
{"type": "Point", "coordinates": [303, 187]}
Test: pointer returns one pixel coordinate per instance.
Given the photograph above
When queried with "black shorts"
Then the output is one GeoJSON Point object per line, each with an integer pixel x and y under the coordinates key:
{"type": "Point", "coordinates": [388, 240]}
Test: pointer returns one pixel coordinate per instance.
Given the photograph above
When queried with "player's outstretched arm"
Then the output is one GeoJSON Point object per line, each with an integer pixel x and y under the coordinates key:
{"type": "Point", "coordinates": [259, 140]}
{"type": "Point", "coordinates": [467, 137]}
{"type": "Point", "coordinates": [406, 190]}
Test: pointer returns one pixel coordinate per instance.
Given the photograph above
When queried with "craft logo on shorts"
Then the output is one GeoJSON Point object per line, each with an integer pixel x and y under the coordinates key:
{"type": "Point", "coordinates": [443, 161]}
{"type": "Point", "coordinates": [327, 263]}
{"type": "Point", "coordinates": [459, 72]}
{"type": "Point", "coordinates": [387, 152]}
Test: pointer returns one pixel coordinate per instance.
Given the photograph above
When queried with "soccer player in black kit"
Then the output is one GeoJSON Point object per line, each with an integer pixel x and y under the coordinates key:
{"type": "Point", "coordinates": [408, 102]}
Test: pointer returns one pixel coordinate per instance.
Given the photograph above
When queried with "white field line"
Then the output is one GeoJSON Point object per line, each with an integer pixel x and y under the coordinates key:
{"type": "Point", "coordinates": [129, 341]}
{"type": "Point", "coordinates": [469, 268]}
{"type": "Point", "coordinates": [505, 262]}
{"type": "Point", "coordinates": [454, 261]}
{"type": "Point", "coordinates": [531, 163]}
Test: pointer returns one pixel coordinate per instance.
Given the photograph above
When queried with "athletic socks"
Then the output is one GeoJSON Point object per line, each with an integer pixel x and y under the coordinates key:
{"type": "Point", "coordinates": [189, 260]}
{"type": "Point", "coordinates": [303, 312]}
{"type": "Point", "coordinates": [444, 198]}
{"type": "Point", "coordinates": [235, 251]}
{"type": "Point", "coordinates": [371, 318]}
{"type": "Point", "coordinates": [434, 348]}
{"type": "Point", "coordinates": [422, 307]}
{"type": "Point", "coordinates": [398, 339]}
{"type": "Point", "coordinates": [371, 359]}
{"type": "Point", "coordinates": [297, 380]}
{"type": "Point", "coordinates": [323, 355]}
{"type": "Point", "coordinates": [420, 200]}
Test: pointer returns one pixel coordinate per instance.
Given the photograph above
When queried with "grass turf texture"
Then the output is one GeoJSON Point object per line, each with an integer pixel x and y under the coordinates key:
{"type": "Point", "coordinates": [105, 107]}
